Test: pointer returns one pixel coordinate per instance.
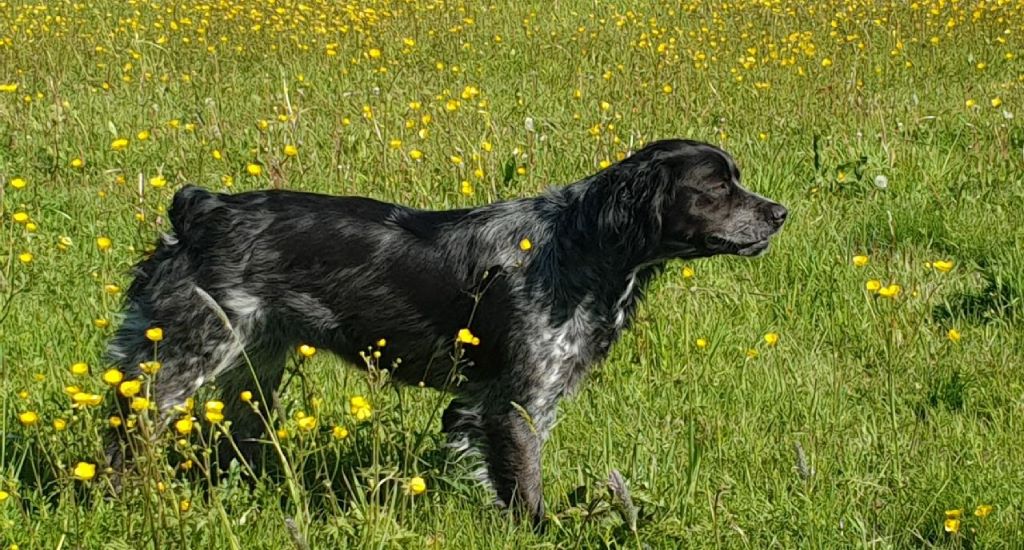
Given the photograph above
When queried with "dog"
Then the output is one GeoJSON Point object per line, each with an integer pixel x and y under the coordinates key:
{"type": "Point", "coordinates": [506, 306]}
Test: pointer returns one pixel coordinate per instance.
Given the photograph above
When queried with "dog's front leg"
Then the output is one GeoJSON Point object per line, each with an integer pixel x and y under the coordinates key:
{"type": "Point", "coordinates": [514, 460]}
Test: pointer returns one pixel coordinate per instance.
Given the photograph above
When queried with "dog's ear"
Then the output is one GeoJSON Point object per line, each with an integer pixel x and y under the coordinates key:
{"type": "Point", "coordinates": [634, 198]}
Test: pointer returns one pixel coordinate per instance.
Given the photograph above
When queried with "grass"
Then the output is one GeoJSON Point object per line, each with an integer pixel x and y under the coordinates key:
{"type": "Point", "coordinates": [865, 425]}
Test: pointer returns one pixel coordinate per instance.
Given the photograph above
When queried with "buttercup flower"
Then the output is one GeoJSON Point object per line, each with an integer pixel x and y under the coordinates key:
{"type": "Point", "coordinates": [130, 388]}
{"type": "Point", "coordinates": [466, 337]}
{"type": "Point", "coordinates": [307, 351]}
{"type": "Point", "coordinates": [860, 260]}
{"type": "Point", "coordinates": [360, 408]}
{"type": "Point", "coordinates": [155, 334]}
{"type": "Point", "coordinates": [417, 486]}
{"type": "Point", "coordinates": [339, 432]}
{"type": "Point", "coordinates": [214, 411]}
{"type": "Point", "coordinates": [112, 377]}
{"type": "Point", "coordinates": [84, 471]}
{"type": "Point", "coordinates": [184, 426]}
{"type": "Point", "coordinates": [772, 338]}
{"type": "Point", "coordinates": [28, 418]}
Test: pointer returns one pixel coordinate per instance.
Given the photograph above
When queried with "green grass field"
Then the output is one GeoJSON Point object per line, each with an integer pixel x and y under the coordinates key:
{"type": "Point", "coordinates": [889, 412]}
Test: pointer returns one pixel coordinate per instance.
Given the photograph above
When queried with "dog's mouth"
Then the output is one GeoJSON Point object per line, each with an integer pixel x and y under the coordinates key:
{"type": "Point", "coordinates": [748, 248]}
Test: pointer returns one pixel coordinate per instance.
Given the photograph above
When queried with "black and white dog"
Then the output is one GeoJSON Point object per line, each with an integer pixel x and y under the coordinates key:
{"type": "Point", "coordinates": [545, 285]}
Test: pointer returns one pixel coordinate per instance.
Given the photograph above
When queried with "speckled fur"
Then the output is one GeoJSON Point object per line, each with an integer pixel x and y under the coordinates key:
{"type": "Point", "coordinates": [342, 272]}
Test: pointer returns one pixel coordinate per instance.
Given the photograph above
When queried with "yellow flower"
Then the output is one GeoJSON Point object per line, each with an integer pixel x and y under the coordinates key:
{"type": "Point", "coordinates": [119, 144]}
{"type": "Point", "coordinates": [307, 351]}
{"type": "Point", "coordinates": [60, 424]}
{"type": "Point", "coordinates": [451, 105]}
{"type": "Point", "coordinates": [104, 243]}
{"type": "Point", "coordinates": [184, 505]}
{"type": "Point", "coordinates": [28, 418]}
{"type": "Point", "coordinates": [890, 291]}
{"type": "Point", "coordinates": [339, 432]}
{"type": "Point", "coordinates": [382, 342]}
{"type": "Point", "coordinates": [701, 343]}
{"type": "Point", "coordinates": [143, 135]}
{"type": "Point", "coordinates": [860, 260]}
{"type": "Point", "coordinates": [826, 62]}
{"type": "Point", "coordinates": [374, 53]}
{"type": "Point", "coordinates": [20, 217]}
{"type": "Point", "coordinates": [25, 257]}
{"type": "Point", "coordinates": [873, 285]}
{"type": "Point", "coordinates": [306, 423]}
{"type": "Point", "coordinates": [214, 411]}
{"type": "Point", "coordinates": [943, 266]}
{"type": "Point", "coordinates": [245, 396]}
{"type": "Point", "coordinates": [996, 102]}
{"type": "Point", "coordinates": [253, 169]}
{"type": "Point", "coordinates": [112, 377]}
{"type": "Point", "coordinates": [466, 188]}
{"type": "Point", "coordinates": [605, 163]}
{"type": "Point", "coordinates": [139, 404]}
{"type": "Point", "coordinates": [154, 334]}
{"type": "Point", "coordinates": [525, 245]}
{"type": "Point", "coordinates": [4, 495]}
{"type": "Point", "coordinates": [77, 162]}
{"type": "Point", "coordinates": [970, 103]}
{"type": "Point", "coordinates": [983, 510]}
{"type": "Point", "coordinates": [9, 88]}
{"type": "Point", "coordinates": [290, 150]}
{"type": "Point", "coordinates": [111, 289]}
{"type": "Point", "coordinates": [951, 525]}
{"type": "Point", "coordinates": [467, 337]}
{"type": "Point", "coordinates": [130, 388]}
{"type": "Point", "coordinates": [688, 272]}
{"type": "Point", "coordinates": [667, 88]}
{"type": "Point", "coordinates": [150, 367]}
{"type": "Point", "coordinates": [83, 399]}
{"type": "Point", "coordinates": [18, 183]}
{"type": "Point", "coordinates": [84, 471]}
{"type": "Point", "coordinates": [953, 335]}
{"type": "Point", "coordinates": [157, 181]}
{"type": "Point", "coordinates": [771, 338]}
{"type": "Point", "coordinates": [360, 408]}
{"type": "Point", "coordinates": [417, 486]}
{"type": "Point", "coordinates": [114, 421]}
{"type": "Point", "coordinates": [184, 426]}
{"type": "Point", "coordinates": [79, 369]}
{"type": "Point", "coordinates": [216, 154]}
{"type": "Point", "coordinates": [955, 513]}
{"type": "Point", "coordinates": [416, 154]}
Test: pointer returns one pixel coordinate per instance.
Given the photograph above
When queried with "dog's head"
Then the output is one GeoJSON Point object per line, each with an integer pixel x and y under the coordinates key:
{"type": "Point", "coordinates": [683, 199]}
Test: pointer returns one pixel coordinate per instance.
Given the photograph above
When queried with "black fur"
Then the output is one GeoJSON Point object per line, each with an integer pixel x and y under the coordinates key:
{"type": "Point", "coordinates": [340, 273]}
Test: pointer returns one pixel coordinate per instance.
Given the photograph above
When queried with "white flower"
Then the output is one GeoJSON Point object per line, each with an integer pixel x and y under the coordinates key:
{"type": "Point", "coordinates": [881, 181]}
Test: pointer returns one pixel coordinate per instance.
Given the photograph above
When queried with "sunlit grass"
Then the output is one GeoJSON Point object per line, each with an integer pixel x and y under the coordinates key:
{"type": "Point", "coordinates": [859, 386]}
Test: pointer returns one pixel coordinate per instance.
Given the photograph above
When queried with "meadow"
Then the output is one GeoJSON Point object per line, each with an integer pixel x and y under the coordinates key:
{"type": "Point", "coordinates": [861, 385]}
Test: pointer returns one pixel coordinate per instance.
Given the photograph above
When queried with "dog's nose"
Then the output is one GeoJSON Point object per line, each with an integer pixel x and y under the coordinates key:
{"type": "Point", "coordinates": [778, 213]}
